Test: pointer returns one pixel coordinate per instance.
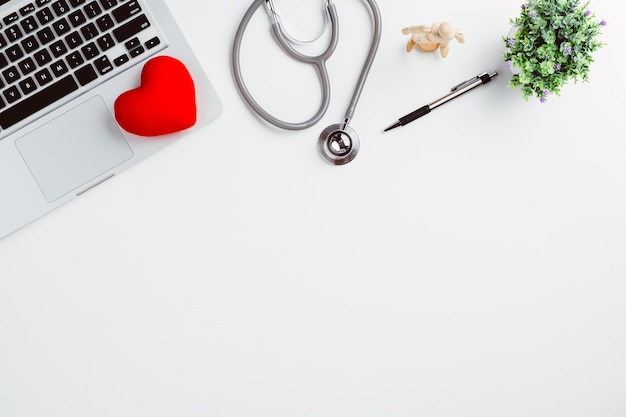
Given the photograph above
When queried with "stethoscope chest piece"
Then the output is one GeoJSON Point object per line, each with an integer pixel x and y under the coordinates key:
{"type": "Point", "coordinates": [338, 144]}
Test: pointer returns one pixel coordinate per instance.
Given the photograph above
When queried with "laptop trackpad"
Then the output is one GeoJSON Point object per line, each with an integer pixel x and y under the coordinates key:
{"type": "Point", "coordinates": [74, 148]}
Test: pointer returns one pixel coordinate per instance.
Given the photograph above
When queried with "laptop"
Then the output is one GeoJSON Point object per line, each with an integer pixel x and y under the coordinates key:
{"type": "Point", "coordinates": [63, 64]}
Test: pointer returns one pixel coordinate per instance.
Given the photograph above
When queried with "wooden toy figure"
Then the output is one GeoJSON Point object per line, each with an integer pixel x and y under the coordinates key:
{"type": "Point", "coordinates": [430, 38]}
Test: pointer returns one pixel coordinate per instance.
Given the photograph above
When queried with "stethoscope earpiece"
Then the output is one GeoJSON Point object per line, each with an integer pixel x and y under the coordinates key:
{"type": "Point", "coordinates": [338, 144]}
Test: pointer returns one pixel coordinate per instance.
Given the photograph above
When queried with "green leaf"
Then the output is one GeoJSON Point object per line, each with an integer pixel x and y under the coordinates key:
{"type": "Point", "coordinates": [553, 45]}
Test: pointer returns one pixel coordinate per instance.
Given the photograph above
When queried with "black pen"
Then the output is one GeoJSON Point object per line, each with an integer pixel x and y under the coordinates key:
{"type": "Point", "coordinates": [456, 91]}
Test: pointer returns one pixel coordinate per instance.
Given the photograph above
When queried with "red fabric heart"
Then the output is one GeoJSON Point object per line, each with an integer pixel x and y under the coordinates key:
{"type": "Point", "coordinates": [164, 103]}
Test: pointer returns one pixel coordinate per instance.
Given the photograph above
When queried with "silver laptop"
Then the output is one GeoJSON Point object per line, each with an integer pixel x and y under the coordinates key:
{"type": "Point", "coordinates": [63, 63]}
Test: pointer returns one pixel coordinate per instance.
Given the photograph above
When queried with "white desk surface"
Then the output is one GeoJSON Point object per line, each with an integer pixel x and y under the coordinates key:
{"type": "Point", "coordinates": [469, 264]}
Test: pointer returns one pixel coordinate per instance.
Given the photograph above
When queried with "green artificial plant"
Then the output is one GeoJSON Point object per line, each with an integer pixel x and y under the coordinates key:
{"type": "Point", "coordinates": [551, 43]}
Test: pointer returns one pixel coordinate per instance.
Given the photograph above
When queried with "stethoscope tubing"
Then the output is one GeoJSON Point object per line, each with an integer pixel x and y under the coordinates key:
{"type": "Point", "coordinates": [376, 35]}
{"type": "Point", "coordinates": [319, 62]}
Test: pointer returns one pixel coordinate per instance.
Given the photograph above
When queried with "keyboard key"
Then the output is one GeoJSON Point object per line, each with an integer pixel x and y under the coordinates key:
{"type": "Point", "coordinates": [58, 48]}
{"type": "Point", "coordinates": [11, 74]}
{"type": "Point", "coordinates": [61, 27]}
{"type": "Point", "coordinates": [73, 40]}
{"type": "Point", "coordinates": [108, 4]}
{"type": "Point", "coordinates": [103, 65]}
{"type": "Point", "coordinates": [121, 60]}
{"type": "Point", "coordinates": [45, 36]}
{"type": "Point", "coordinates": [132, 44]}
{"type": "Point", "coordinates": [106, 42]}
{"type": "Point", "coordinates": [3, 61]}
{"type": "Point", "coordinates": [30, 44]}
{"type": "Point", "coordinates": [44, 15]}
{"type": "Point", "coordinates": [76, 3]}
{"type": "Point", "coordinates": [137, 51]}
{"type": "Point", "coordinates": [13, 17]}
{"type": "Point", "coordinates": [74, 59]}
{"type": "Point", "coordinates": [14, 53]}
{"type": "Point", "coordinates": [126, 11]}
{"type": "Point", "coordinates": [60, 7]}
{"type": "Point", "coordinates": [130, 29]}
{"type": "Point", "coordinates": [153, 42]}
{"type": "Point", "coordinates": [12, 94]}
{"type": "Point", "coordinates": [29, 24]}
{"type": "Point", "coordinates": [38, 101]}
{"type": "Point", "coordinates": [90, 51]}
{"type": "Point", "coordinates": [89, 31]}
{"type": "Point", "coordinates": [27, 66]}
{"type": "Point", "coordinates": [86, 74]}
{"type": "Point", "coordinates": [13, 33]}
{"type": "Point", "coordinates": [105, 23]}
{"type": "Point", "coordinates": [43, 77]}
{"type": "Point", "coordinates": [28, 86]}
{"type": "Point", "coordinates": [42, 57]}
{"type": "Point", "coordinates": [77, 18]}
{"type": "Point", "coordinates": [29, 8]}
{"type": "Point", "coordinates": [92, 10]}
{"type": "Point", "coordinates": [59, 68]}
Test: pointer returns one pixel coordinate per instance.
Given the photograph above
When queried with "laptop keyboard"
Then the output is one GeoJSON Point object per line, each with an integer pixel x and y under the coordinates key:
{"type": "Point", "coordinates": [53, 49]}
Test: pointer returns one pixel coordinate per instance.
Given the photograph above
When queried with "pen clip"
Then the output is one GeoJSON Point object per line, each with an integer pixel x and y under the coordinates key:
{"type": "Point", "coordinates": [465, 83]}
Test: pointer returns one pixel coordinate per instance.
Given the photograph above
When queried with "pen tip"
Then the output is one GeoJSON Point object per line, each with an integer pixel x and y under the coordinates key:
{"type": "Point", "coordinates": [393, 126]}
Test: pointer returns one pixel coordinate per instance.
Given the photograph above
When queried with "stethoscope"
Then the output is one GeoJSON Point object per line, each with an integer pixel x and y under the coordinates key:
{"type": "Point", "coordinates": [338, 144]}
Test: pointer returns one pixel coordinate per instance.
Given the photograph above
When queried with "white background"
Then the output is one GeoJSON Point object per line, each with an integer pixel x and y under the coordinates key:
{"type": "Point", "coordinates": [468, 264]}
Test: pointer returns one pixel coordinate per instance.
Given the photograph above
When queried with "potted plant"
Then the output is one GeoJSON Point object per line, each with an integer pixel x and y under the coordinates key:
{"type": "Point", "coordinates": [551, 43]}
